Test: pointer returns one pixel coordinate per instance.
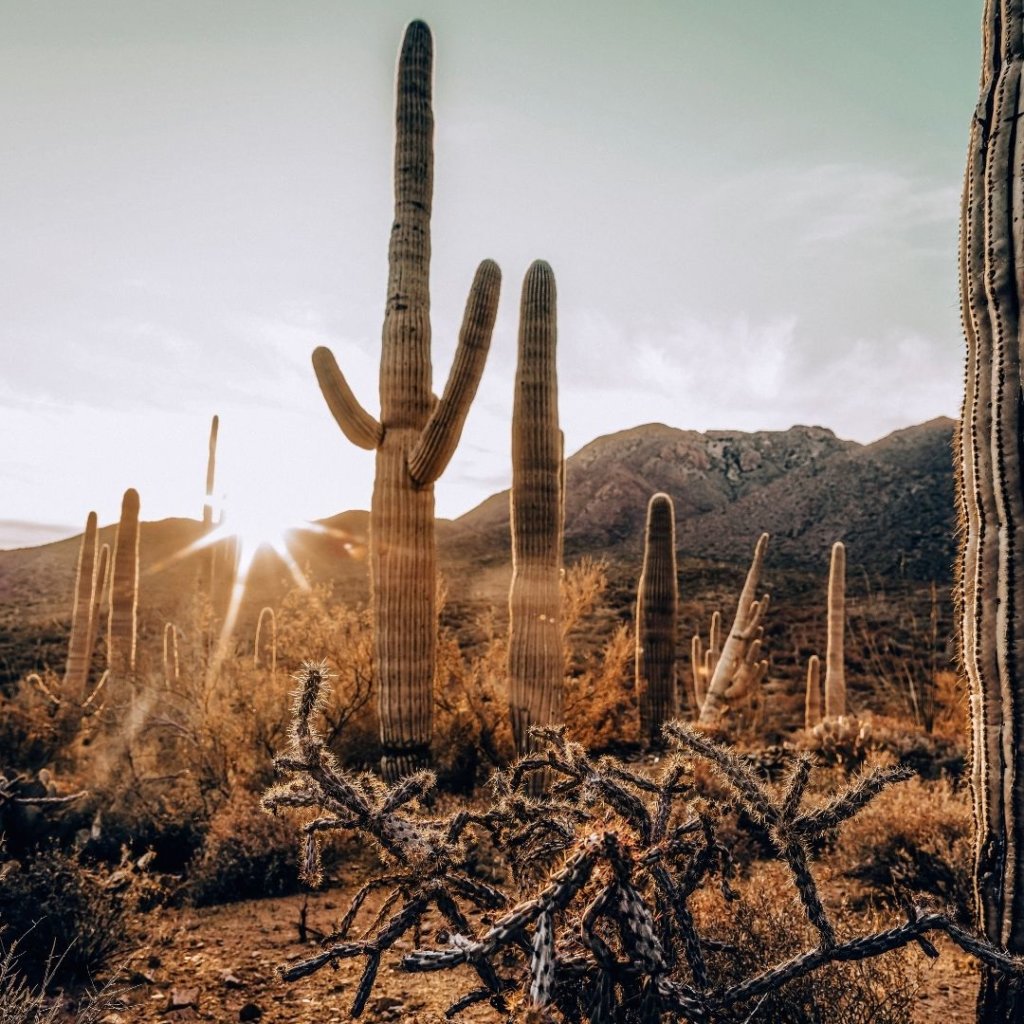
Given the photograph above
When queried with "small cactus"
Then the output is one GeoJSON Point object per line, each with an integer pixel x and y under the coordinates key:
{"type": "Point", "coordinates": [266, 614]}
{"type": "Point", "coordinates": [703, 662]}
{"type": "Point", "coordinates": [76, 673]}
{"type": "Point", "coordinates": [656, 613]}
{"type": "Point", "coordinates": [124, 592]}
{"type": "Point", "coordinates": [813, 701]}
{"type": "Point", "coordinates": [535, 655]}
{"type": "Point", "coordinates": [835, 667]}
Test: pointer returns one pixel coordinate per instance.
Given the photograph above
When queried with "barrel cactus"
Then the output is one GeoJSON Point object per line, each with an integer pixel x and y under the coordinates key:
{"type": "Point", "coordinates": [656, 614]}
{"type": "Point", "coordinates": [417, 433]}
{"type": "Point", "coordinates": [535, 657]}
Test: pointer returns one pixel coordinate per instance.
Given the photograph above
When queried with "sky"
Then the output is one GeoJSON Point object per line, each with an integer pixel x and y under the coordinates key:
{"type": "Point", "coordinates": [750, 209]}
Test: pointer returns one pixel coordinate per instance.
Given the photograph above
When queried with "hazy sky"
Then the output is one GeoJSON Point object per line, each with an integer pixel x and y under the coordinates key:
{"type": "Point", "coordinates": [750, 209]}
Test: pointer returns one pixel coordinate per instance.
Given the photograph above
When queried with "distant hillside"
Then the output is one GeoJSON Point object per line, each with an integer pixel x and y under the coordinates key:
{"type": "Point", "coordinates": [891, 502]}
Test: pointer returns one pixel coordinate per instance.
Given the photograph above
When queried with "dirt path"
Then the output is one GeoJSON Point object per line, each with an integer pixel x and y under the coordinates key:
{"type": "Point", "coordinates": [224, 959]}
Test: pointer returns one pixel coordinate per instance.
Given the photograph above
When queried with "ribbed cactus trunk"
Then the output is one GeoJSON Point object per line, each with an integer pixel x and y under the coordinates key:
{"type": "Point", "coordinates": [76, 672]}
{"type": "Point", "coordinates": [835, 658]}
{"type": "Point", "coordinates": [738, 644]}
{"type": "Point", "coordinates": [991, 494]}
{"type": "Point", "coordinates": [813, 699]}
{"type": "Point", "coordinates": [124, 597]}
{"type": "Point", "coordinates": [211, 468]}
{"type": "Point", "coordinates": [417, 433]}
{"type": "Point", "coordinates": [535, 657]}
{"type": "Point", "coordinates": [657, 605]}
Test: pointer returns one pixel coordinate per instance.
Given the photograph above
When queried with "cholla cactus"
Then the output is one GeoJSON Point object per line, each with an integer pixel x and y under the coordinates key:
{"type": "Point", "coordinates": [605, 864]}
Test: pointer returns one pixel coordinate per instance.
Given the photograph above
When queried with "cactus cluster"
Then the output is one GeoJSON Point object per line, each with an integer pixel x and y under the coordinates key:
{"type": "Point", "coordinates": [417, 433]}
{"type": "Point", "coordinates": [728, 671]}
{"type": "Point", "coordinates": [596, 921]}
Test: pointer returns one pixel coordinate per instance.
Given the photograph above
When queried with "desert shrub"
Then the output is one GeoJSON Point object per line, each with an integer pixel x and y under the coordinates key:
{"type": "Point", "coordinates": [765, 926]}
{"type": "Point", "coordinates": [69, 919]}
{"type": "Point", "coordinates": [915, 840]}
{"type": "Point", "coordinates": [246, 853]}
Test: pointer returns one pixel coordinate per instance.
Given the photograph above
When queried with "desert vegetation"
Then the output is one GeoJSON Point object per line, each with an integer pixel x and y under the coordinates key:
{"type": "Point", "coordinates": [529, 806]}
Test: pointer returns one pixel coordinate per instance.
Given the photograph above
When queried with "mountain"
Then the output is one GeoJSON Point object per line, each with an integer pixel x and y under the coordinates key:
{"type": "Point", "coordinates": [891, 502]}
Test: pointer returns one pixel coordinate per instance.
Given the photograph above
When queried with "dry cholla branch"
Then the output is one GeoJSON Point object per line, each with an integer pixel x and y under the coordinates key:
{"type": "Point", "coordinates": [605, 862]}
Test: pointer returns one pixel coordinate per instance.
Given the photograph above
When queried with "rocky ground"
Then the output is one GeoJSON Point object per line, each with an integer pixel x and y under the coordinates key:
{"type": "Point", "coordinates": [219, 964]}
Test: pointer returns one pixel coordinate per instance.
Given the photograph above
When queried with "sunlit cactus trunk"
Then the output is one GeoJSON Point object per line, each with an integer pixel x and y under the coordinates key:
{"type": "Point", "coordinates": [124, 597]}
{"type": "Point", "coordinates": [79, 650]}
{"type": "Point", "coordinates": [417, 433]}
{"type": "Point", "coordinates": [211, 468]}
{"type": "Point", "coordinates": [991, 496]}
{"type": "Point", "coordinates": [171, 664]}
{"type": "Point", "coordinates": [739, 664]}
{"type": "Point", "coordinates": [835, 662]}
{"type": "Point", "coordinates": [99, 593]}
{"type": "Point", "coordinates": [266, 615]}
{"type": "Point", "coordinates": [535, 656]}
{"type": "Point", "coordinates": [656, 614]}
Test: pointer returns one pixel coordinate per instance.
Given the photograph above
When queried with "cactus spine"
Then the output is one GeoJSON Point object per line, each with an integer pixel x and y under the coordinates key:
{"type": "Point", "coordinates": [417, 433]}
{"type": "Point", "coordinates": [835, 665]}
{"type": "Point", "coordinates": [535, 656]}
{"type": "Point", "coordinates": [736, 665]}
{"type": "Point", "coordinates": [656, 613]}
{"type": "Point", "coordinates": [813, 702]}
{"type": "Point", "coordinates": [991, 497]}
{"type": "Point", "coordinates": [76, 673]}
{"type": "Point", "coordinates": [211, 466]}
{"type": "Point", "coordinates": [124, 592]}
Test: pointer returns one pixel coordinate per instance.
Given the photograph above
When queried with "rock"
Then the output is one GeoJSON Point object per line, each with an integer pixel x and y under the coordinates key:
{"type": "Point", "coordinates": [250, 1012]}
{"type": "Point", "coordinates": [230, 980]}
{"type": "Point", "coordinates": [183, 999]}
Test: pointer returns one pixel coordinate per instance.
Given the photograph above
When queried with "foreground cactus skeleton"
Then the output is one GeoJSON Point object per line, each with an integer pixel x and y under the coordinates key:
{"type": "Point", "coordinates": [605, 863]}
{"type": "Point", "coordinates": [417, 433]}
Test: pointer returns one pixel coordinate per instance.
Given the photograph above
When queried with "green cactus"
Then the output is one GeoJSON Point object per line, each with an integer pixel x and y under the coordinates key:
{"type": "Point", "coordinates": [813, 700]}
{"type": "Point", "coordinates": [417, 433]}
{"type": "Point", "coordinates": [740, 670]}
{"type": "Point", "coordinates": [535, 656]}
{"type": "Point", "coordinates": [835, 664]}
{"type": "Point", "coordinates": [76, 673]}
{"type": "Point", "coordinates": [124, 594]}
{"type": "Point", "coordinates": [656, 613]}
{"type": "Point", "coordinates": [991, 496]}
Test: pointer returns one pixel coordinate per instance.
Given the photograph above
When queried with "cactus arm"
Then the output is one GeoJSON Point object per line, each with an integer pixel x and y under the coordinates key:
{"type": "Point", "coordinates": [362, 429]}
{"type": "Point", "coordinates": [440, 437]}
{"type": "Point", "coordinates": [747, 611]}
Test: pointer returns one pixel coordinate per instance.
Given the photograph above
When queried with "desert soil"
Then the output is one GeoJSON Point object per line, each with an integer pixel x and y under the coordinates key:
{"type": "Point", "coordinates": [223, 962]}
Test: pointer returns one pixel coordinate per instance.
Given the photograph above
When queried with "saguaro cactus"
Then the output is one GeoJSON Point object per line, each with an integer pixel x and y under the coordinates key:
{"type": "Point", "coordinates": [991, 496]}
{"type": "Point", "coordinates": [266, 614]}
{"type": "Point", "coordinates": [79, 650]}
{"type": "Point", "coordinates": [417, 433]}
{"type": "Point", "coordinates": [703, 661]}
{"type": "Point", "coordinates": [835, 664]}
{"type": "Point", "coordinates": [124, 592]}
{"type": "Point", "coordinates": [535, 657]}
{"type": "Point", "coordinates": [656, 614]}
{"type": "Point", "coordinates": [813, 700]}
{"type": "Point", "coordinates": [736, 651]}
{"type": "Point", "coordinates": [211, 467]}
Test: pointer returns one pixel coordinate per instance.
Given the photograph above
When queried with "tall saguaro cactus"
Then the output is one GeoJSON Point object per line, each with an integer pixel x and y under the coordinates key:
{"type": "Point", "coordinates": [535, 657]}
{"type": "Point", "coordinates": [990, 492]}
{"type": "Point", "coordinates": [835, 660]}
{"type": "Point", "coordinates": [124, 593]}
{"type": "Point", "coordinates": [656, 615]}
{"type": "Point", "coordinates": [79, 650]}
{"type": "Point", "coordinates": [417, 433]}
